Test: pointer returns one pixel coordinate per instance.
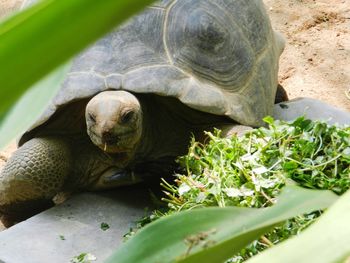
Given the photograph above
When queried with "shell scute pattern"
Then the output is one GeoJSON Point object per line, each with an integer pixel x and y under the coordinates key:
{"type": "Point", "coordinates": [204, 41]}
{"type": "Point", "coordinates": [163, 3]}
{"type": "Point", "coordinates": [135, 44]}
{"type": "Point", "coordinates": [217, 56]}
{"type": "Point", "coordinates": [251, 20]}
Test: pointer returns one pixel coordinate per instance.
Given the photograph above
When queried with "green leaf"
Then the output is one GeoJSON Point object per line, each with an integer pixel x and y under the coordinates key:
{"type": "Point", "coordinates": [302, 123]}
{"type": "Point", "coordinates": [35, 41]}
{"type": "Point", "coordinates": [269, 120]}
{"type": "Point", "coordinates": [30, 106]}
{"type": "Point", "coordinates": [212, 235]}
{"type": "Point", "coordinates": [326, 241]}
{"type": "Point", "coordinates": [83, 258]}
{"type": "Point", "coordinates": [290, 165]}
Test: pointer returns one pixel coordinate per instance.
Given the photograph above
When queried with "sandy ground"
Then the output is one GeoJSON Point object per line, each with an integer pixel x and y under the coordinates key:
{"type": "Point", "coordinates": [7, 6]}
{"type": "Point", "coordinates": [316, 60]}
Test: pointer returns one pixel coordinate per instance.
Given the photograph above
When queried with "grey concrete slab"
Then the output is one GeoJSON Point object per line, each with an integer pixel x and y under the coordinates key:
{"type": "Point", "coordinates": [77, 221]}
{"type": "Point", "coordinates": [312, 109]}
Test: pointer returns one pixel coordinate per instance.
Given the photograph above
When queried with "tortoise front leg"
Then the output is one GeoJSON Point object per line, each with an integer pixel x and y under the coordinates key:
{"type": "Point", "coordinates": [138, 172]}
{"type": "Point", "coordinates": [32, 177]}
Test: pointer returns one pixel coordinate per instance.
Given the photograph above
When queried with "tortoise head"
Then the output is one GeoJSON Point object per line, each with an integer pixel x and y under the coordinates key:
{"type": "Point", "coordinates": [114, 121]}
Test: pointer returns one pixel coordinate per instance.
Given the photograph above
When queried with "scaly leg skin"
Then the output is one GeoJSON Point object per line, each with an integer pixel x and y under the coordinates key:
{"type": "Point", "coordinates": [95, 170]}
{"type": "Point", "coordinates": [32, 177]}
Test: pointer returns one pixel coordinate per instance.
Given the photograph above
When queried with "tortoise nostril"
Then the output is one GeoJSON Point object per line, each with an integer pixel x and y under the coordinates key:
{"type": "Point", "coordinates": [106, 134]}
{"type": "Point", "coordinates": [109, 138]}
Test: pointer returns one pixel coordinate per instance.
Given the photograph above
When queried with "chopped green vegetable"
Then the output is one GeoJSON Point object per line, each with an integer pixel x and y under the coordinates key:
{"type": "Point", "coordinates": [62, 237]}
{"type": "Point", "coordinates": [250, 171]}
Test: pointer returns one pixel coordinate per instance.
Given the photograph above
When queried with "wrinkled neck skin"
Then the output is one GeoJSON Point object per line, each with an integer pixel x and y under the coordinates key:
{"type": "Point", "coordinates": [168, 126]}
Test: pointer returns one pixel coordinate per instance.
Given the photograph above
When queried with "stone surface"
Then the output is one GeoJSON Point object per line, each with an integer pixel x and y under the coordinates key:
{"type": "Point", "coordinates": [74, 227]}
{"type": "Point", "coordinates": [312, 109]}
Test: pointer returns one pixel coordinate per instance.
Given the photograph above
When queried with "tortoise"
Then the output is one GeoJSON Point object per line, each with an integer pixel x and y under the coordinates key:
{"type": "Point", "coordinates": [131, 102]}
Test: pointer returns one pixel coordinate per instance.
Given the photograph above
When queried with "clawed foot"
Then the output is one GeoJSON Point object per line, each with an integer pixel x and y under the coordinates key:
{"type": "Point", "coordinates": [17, 212]}
{"type": "Point", "coordinates": [115, 177]}
{"type": "Point", "coordinates": [121, 178]}
{"type": "Point", "coordinates": [33, 175]}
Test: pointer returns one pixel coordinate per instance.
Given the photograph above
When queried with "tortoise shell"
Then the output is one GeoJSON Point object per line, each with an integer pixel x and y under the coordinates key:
{"type": "Point", "coordinates": [216, 56]}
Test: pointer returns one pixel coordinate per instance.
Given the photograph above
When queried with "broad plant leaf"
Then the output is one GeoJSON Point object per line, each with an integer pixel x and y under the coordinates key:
{"type": "Point", "coordinates": [29, 107]}
{"type": "Point", "coordinates": [326, 241]}
{"type": "Point", "coordinates": [38, 39]}
{"type": "Point", "coordinates": [212, 235]}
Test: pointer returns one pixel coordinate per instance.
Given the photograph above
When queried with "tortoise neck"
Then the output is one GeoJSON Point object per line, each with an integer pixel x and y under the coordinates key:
{"type": "Point", "coordinates": [168, 126]}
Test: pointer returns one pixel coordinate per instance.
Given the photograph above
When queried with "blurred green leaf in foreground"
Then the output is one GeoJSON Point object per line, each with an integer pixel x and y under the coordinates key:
{"type": "Point", "coordinates": [36, 40]}
{"type": "Point", "coordinates": [211, 235]}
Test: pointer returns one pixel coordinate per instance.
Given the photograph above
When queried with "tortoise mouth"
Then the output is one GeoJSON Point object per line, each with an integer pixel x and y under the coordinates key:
{"type": "Point", "coordinates": [108, 148]}
{"type": "Point", "coordinates": [121, 143]}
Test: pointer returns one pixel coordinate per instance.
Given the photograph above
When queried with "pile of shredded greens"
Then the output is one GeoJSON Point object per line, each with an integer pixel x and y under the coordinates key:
{"type": "Point", "coordinates": [249, 171]}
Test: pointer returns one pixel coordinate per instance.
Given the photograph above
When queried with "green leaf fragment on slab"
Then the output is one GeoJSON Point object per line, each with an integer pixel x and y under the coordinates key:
{"type": "Point", "coordinates": [104, 226]}
{"type": "Point", "coordinates": [84, 258]}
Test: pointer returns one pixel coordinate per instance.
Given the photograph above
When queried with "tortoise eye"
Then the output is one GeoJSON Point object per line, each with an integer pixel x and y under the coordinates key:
{"type": "Point", "coordinates": [126, 117]}
{"type": "Point", "coordinates": [92, 117]}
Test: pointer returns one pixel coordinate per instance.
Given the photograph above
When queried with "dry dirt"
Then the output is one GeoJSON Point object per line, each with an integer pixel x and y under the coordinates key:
{"type": "Point", "coordinates": [7, 6]}
{"type": "Point", "coordinates": [316, 60]}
